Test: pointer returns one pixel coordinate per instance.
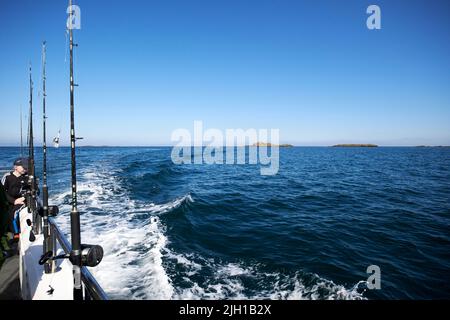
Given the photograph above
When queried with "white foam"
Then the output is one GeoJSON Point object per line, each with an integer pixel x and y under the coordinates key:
{"type": "Point", "coordinates": [132, 264]}
{"type": "Point", "coordinates": [227, 284]}
{"type": "Point", "coordinates": [232, 269]}
{"type": "Point", "coordinates": [158, 209]}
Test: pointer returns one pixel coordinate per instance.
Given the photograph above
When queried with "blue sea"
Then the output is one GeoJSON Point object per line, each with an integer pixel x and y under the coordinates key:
{"type": "Point", "coordinates": [226, 232]}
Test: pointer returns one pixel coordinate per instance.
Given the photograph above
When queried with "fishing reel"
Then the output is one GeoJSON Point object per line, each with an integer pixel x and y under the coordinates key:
{"type": "Point", "coordinates": [52, 211]}
{"type": "Point", "coordinates": [24, 189]}
{"type": "Point", "coordinates": [32, 237]}
{"type": "Point", "coordinates": [91, 256]}
{"type": "Point", "coordinates": [27, 185]}
{"type": "Point", "coordinates": [29, 191]}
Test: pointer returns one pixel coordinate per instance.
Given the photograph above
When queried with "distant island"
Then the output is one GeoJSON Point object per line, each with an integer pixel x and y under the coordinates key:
{"type": "Point", "coordinates": [268, 144]}
{"type": "Point", "coordinates": [367, 145]}
{"type": "Point", "coordinates": [432, 146]}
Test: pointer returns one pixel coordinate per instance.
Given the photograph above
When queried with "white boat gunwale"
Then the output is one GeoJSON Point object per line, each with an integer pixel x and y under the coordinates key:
{"type": "Point", "coordinates": [34, 282]}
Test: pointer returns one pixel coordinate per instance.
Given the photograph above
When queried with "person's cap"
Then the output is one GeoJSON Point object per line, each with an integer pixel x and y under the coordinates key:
{"type": "Point", "coordinates": [22, 162]}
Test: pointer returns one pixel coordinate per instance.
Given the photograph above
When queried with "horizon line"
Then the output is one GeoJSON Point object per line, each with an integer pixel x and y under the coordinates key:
{"type": "Point", "coordinates": [193, 146]}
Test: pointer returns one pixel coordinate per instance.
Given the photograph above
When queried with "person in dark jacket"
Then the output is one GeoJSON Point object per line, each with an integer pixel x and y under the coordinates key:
{"type": "Point", "coordinates": [4, 209]}
{"type": "Point", "coordinates": [4, 214]}
{"type": "Point", "coordinates": [14, 184]}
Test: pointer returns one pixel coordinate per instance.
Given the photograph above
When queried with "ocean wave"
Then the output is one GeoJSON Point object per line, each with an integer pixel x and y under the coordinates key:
{"type": "Point", "coordinates": [240, 281]}
{"type": "Point", "coordinates": [143, 211]}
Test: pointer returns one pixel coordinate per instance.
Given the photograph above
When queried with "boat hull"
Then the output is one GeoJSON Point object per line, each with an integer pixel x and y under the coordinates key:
{"type": "Point", "coordinates": [35, 283]}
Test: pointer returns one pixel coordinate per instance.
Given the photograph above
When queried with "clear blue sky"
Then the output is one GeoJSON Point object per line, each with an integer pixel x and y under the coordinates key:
{"type": "Point", "coordinates": [310, 68]}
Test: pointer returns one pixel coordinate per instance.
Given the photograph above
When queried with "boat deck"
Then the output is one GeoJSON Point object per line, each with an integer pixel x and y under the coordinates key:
{"type": "Point", "coordinates": [9, 278]}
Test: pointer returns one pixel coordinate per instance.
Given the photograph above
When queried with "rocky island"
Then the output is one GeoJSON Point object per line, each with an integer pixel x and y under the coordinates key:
{"type": "Point", "coordinates": [432, 146]}
{"type": "Point", "coordinates": [268, 144]}
{"type": "Point", "coordinates": [367, 145]}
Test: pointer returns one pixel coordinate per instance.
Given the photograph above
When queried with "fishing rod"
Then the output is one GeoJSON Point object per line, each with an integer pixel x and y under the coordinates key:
{"type": "Point", "coordinates": [75, 254]}
{"type": "Point", "coordinates": [21, 134]}
{"type": "Point", "coordinates": [89, 255]}
{"type": "Point", "coordinates": [31, 195]}
{"type": "Point", "coordinates": [47, 245]}
{"type": "Point", "coordinates": [30, 126]}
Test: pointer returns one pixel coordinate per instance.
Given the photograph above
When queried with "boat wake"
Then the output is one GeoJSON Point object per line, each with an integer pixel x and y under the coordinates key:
{"type": "Point", "coordinates": [138, 262]}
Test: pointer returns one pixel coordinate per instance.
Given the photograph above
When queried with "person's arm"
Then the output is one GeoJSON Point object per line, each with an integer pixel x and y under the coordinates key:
{"type": "Point", "coordinates": [3, 200]}
{"type": "Point", "coordinates": [10, 199]}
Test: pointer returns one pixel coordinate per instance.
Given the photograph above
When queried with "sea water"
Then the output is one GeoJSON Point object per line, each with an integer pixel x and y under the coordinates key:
{"type": "Point", "coordinates": [226, 232]}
